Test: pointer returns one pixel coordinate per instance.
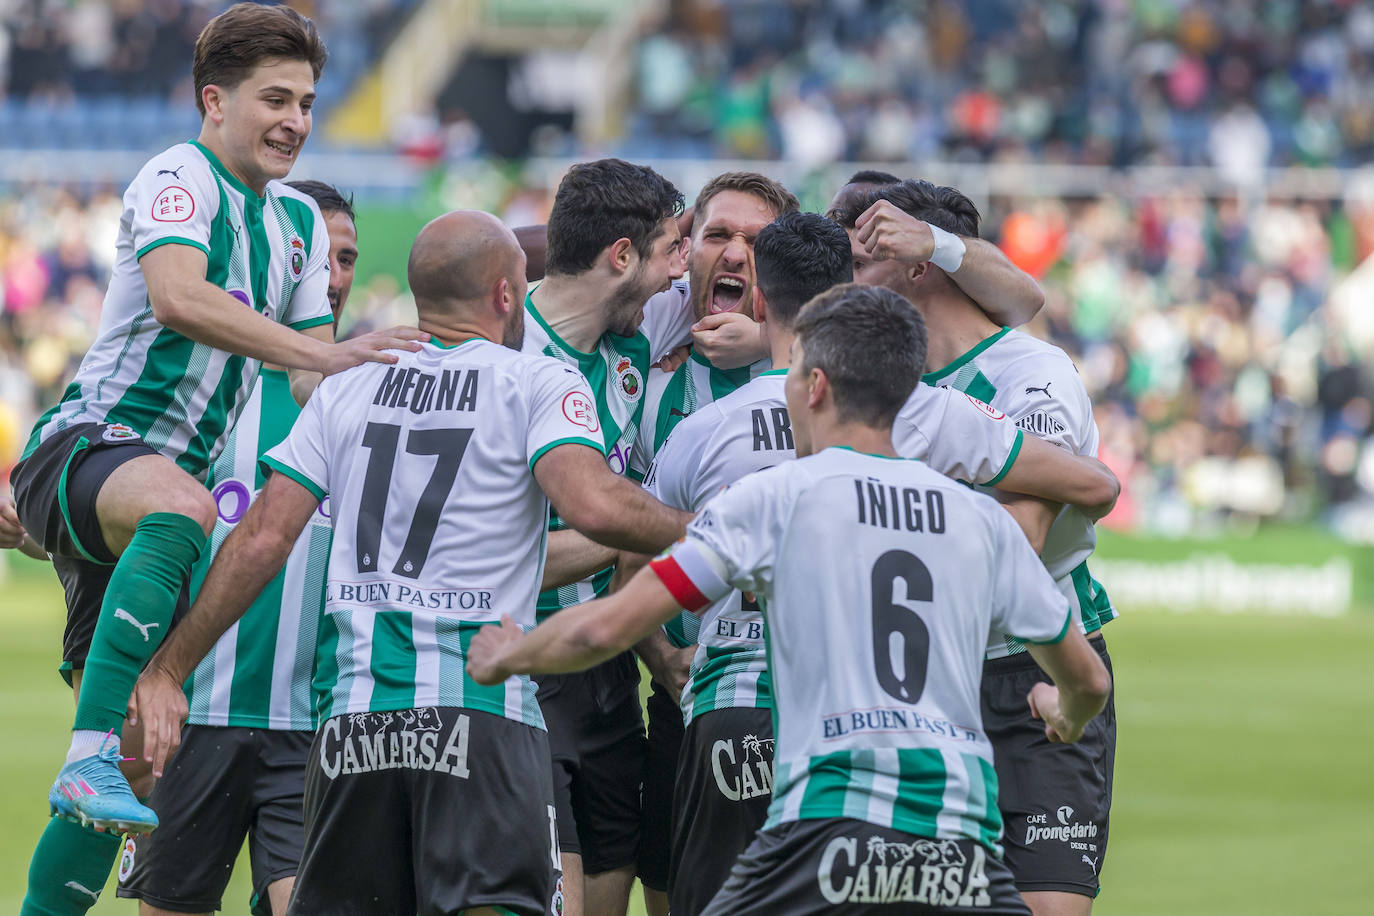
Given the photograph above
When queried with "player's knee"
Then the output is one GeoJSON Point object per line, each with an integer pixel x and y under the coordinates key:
{"type": "Point", "coordinates": [195, 503]}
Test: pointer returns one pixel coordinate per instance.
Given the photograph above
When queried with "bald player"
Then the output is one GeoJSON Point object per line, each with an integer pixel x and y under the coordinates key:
{"type": "Point", "coordinates": [440, 473]}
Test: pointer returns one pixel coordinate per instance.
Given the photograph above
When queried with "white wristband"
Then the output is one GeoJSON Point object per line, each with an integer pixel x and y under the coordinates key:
{"type": "Point", "coordinates": [949, 250]}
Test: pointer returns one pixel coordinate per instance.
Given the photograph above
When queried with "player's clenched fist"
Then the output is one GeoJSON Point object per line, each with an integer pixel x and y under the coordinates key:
{"type": "Point", "coordinates": [371, 348]}
{"type": "Point", "coordinates": [489, 648]}
{"type": "Point", "coordinates": [888, 233]}
{"type": "Point", "coordinates": [11, 531]}
{"type": "Point", "coordinates": [1044, 704]}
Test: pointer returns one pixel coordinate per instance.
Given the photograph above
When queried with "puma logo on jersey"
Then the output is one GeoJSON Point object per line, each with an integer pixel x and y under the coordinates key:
{"type": "Point", "coordinates": [172, 172]}
{"type": "Point", "coordinates": [121, 614]}
{"type": "Point", "coordinates": [80, 888]}
{"type": "Point", "coordinates": [1046, 389]}
{"type": "Point", "coordinates": [674, 412]}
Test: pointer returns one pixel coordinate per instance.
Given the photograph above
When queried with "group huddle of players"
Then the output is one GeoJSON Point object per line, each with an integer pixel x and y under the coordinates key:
{"type": "Point", "coordinates": [408, 577]}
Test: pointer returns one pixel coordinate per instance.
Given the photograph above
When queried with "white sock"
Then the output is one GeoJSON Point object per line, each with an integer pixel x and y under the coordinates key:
{"type": "Point", "coordinates": [87, 742]}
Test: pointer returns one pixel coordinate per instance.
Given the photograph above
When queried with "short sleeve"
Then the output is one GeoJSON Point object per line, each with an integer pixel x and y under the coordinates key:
{"type": "Point", "coordinates": [301, 455]}
{"type": "Point", "coordinates": [743, 524]}
{"type": "Point", "coordinates": [561, 409]}
{"type": "Point", "coordinates": [974, 442]}
{"type": "Point", "coordinates": [173, 201]}
{"type": "Point", "coordinates": [1026, 602]}
{"type": "Point", "coordinates": [309, 306]}
{"type": "Point", "coordinates": [668, 320]}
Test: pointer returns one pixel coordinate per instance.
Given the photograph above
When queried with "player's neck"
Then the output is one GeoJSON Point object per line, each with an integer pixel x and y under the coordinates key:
{"type": "Point", "coordinates": [780, 346]}
{"type": "Point", "coordinates": [573, 308]}
{"type": "Point", "coordinates": [953, 327]}
{"type": "Point", "coordinates": [210, 140]}
{"type": "Point", "coordinates": [451, 335]}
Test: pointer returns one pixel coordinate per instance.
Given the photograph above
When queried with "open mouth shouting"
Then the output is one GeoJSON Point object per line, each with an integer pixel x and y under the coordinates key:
{"type": "Point", "coordinates": [727, 290]}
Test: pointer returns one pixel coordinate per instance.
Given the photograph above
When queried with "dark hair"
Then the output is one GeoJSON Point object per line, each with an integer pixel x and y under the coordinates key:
{"type": "Point", "coordinates": [761, 186]}
{"type": "Point", "coordinates": [798, 256]}
{"type": "Point", "coordinates": [936, 204]}
{"type": "Point", "coordinates": [245, 35]}
{"type": "Point", "coordinates": [329, 198]}
{"type": "Point", "coordinates": [871, 344]}
{"type": "Point", "coordinates": [599, 202]}
{"type": "Point", "coordinates": [872, 176]}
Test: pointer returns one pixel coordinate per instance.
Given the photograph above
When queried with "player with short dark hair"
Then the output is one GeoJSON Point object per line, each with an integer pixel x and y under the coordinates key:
{"type": "Point", "coordinates": [1037, 386]}
{"type": "Point", "coordinates": [219, 266]}
{"type": "Point", "coordinates": [251, 712]}
{"type": "Point", "coordinates": [886, 753]}
{"type": "Point", "coordinates": [437, 471]}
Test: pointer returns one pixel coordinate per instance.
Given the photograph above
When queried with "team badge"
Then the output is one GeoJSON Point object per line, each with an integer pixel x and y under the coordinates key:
{"type": "Point", "coordinates": [628, 381]}
{"type": "Point", "coordinates": [126, 859]}
{"type": "Point", "coordinates": [118, 432]}
{"type": "Point", "coordinates": [297, 259]}
{"type": "Point", "coordinates": [173, 204]}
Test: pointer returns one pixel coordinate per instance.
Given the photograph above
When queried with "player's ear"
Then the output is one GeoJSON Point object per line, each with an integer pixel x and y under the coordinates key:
{"type": "Point", "coordinates": [918, 272]}
{"type": "Point", "coordinates": [817, 387]}
{"type": "Point", "coordinates": [503, 297]}
{"type": "Point", "coordinates": [620, 255]}
{"type": "Point", "coordinates": [760, 308]}
{"type": "Point", "coordinates": [212, 97]}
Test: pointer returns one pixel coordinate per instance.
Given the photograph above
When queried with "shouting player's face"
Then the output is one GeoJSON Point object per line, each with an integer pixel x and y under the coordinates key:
{"type": "Point", "coordinates": [264, 120]}
{"type": "Point", "coordinates": [650, 275]}
{"type": "Point", "coordinates": [343, 255]}
{"type": "Point", "coordinates": [722, 258]}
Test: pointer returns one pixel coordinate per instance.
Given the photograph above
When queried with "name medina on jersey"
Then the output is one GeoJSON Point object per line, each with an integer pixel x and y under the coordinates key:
{"type": "Point", "coordinates": [933, 872]}
{"type": "Point", "coordinates": [752, 776]}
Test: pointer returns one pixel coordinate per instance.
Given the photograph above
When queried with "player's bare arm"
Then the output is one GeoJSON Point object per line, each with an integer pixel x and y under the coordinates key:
{"type": "Point", "coordinates": [1033, 516]}
{"type": "Point", "coordinates": [249, 558]}
{"type": "Point", "coordinates": [184, 301]}
{"type": "Point", "coordinates": [575, 638]}
{"type": "Point", "coordinates": [1080, 690]}
{"type": "Point", "coordinates": [1045, 470]}
{"type": "Point", "coordinates": [571, 557]}
{"type": "Point", "coordinates": [606, 508]}
{"type": "Point", "coordinates": [1005, 293]}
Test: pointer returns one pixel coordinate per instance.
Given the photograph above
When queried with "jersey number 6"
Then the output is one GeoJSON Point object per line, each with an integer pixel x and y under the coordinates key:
{"type": "Point", "coordinates": [901, 639]}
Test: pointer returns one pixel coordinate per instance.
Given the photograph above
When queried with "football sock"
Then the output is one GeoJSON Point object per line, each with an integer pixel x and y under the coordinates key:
{"type": "Point", "coordinates": [87, 742]}
{"type": "Point", "coordinates": [68, 869]}
{"type": "Point", "coordinates": [138, 607]}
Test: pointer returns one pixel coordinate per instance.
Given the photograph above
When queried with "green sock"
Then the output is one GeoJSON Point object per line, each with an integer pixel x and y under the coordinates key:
{"type": "Point", "coordinates": [138, 607]}
{"type": "Point", "coordinates": [68, 869]}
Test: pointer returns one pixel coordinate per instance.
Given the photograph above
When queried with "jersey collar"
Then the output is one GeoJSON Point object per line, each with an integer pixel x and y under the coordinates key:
{"type": "Point", "coordinates": [228, 176]}
{"type": "Point", "coordinates": [931, 378]}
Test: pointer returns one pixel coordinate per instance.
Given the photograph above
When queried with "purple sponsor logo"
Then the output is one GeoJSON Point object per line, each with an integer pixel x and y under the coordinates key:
{"type": "Point", "coordinates": [241, 296]}
{"type": "Point", "coordinates": [231, 499]}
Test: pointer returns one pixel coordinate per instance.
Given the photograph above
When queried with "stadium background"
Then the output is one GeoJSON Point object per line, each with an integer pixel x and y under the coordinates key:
{"type": "Point", "coordinates": [1188, 180]}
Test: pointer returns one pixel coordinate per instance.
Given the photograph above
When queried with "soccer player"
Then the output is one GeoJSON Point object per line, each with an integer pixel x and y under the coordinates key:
{"type": "Point", "coordinates": [886, 577]}
{"type": "Point", "coordinates": [1038, 387]}
{"type": "Point", "coordinates": [218, 266]}
{"type": "Point", "coordinates": [241, 763]}
{"type": "Point", "coordinates": [437, 471]}
{"type": "Point", "coordinates": [727, 702]}
{"type": "Point", "coordinates": [613, 245]}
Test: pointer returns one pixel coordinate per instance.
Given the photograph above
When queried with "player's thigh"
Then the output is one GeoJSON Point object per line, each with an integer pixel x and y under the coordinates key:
{"type": "Point", "coordinates": [846, 866]}
{"type": "Point", "coordinates": [204, 805]}
{"type": "Point", "coordinates": [144, 485]}
{"type": "Point", "coordinates": [356, 857]}
{"type": "Point", "coordinates": [276, 834]}
{"type": "Point", "coordinates": [504, 853]}
{"type": "Point", "coordinates": [1057, 903]}
{"type": "Point", "coordinates": [1055, 799]}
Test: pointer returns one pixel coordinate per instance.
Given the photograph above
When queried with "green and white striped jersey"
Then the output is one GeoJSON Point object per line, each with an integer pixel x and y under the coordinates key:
{"type": "Point", "coordinates": [269, 253]}
{"type": "Point", "coordinates": [258, 674]}
{"type": "Point", "coordinates": [616, 372]}
{"type": "Point", "coordinates": [880, 581]}
{"type": "Point", "coordinates": [1038, 387]}
{"type": "Point", "coordinates": [439, 524]}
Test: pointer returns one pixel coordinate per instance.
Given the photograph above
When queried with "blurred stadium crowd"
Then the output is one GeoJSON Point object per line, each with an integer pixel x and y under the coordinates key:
{"type": "Point", "coordinates": [1203, 324]}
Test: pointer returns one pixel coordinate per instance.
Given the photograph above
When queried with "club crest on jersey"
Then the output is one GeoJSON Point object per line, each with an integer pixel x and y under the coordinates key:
{"type": "Point", "coordinates": [173, 204]}
{"type": "Point", "coordinates": [118, 432]}
{"type": "Point", "coordinates": [579, 409]}
{"type": "Point", "coordinates": [628, 382]}
{"type": "Point", "coordinates": [126, 859]}
{"type": "Point", "coordinates": [297, 259]}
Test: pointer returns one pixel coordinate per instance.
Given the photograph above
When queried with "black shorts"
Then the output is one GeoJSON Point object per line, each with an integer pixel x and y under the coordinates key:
{"type": "Point", "coordinates": [596, 736]}
{"type": "Point", "coordinates": [656, 798]}
{"type": "Point", "coordinates": [223, 784]}
{"type": "Point", "coordinates": [1055, 798]}
{"type": "Point", "coordinates": [725, 784]}
{"type": "Point", "coordinates": [55, 489]}
{"type": "Point", "coordinates": [441, 811]}
{"type": "Point", "coordinates": [839, 865]}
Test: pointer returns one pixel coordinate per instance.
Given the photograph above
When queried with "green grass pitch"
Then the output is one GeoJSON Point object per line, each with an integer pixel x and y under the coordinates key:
{"type": "Point", "coordinates": [1245, 766]}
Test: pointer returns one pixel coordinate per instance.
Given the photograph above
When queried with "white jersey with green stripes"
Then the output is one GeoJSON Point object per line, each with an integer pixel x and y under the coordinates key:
{"type": "Point", "coordinates": [880, 580]}
{"type": "Point", "coordinates": [258, 674]}
{"type": "Point", "coordinates": [271, 253]}
{"type": "Point", "coordinates": [439, 524]}
{"type": "Point", "coordinates": [616, 371]}
{"type": "Point", "coordinates": [1038, 387]}
{"type": "Point", "coordinates": [749, 430]}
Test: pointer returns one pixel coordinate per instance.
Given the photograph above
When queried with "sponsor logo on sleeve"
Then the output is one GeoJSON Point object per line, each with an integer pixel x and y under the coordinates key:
{"type": "Point", "coordinates": [579, 409]}
{"type": "Point", "coordinates": [173, 204]}
{"type": "Point", "coordinates": [986, 408]}
{"type": "Point", "coordinates": [1040, 424]}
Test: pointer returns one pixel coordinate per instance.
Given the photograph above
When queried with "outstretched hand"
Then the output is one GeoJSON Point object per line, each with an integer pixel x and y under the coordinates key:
{"type": "Point", "coordinates": [488, 649]}
{"type": "Point", "coordinates": [160, 705]}
{"type": "Point", "coordinates": [372, 347]}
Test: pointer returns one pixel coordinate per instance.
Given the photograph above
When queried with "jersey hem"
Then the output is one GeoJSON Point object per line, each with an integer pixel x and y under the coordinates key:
{"type": "Point", "coordinates": [930, 378]}
{"type": "Point", "coordinates": [171, 240]}
{"type": "Point", "coordinates": [311, 322]}
{"type": "Point", "coordinates": [1011, 459]}
{"type": "Point", "coordinates": [275, 465]}
{"type": "Point", "coordinates": [571, 440]}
